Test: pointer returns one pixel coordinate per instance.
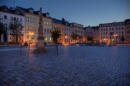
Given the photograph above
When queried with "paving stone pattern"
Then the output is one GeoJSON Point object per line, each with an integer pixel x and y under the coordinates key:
{"type": "Point", "coordinates": [75, 66]}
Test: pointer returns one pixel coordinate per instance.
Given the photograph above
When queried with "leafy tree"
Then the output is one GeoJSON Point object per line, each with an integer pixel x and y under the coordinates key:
{"type": "Point", "coordinates": [89, 38]}
{"type": "Point", "coordinates": [79, 37]}
{"type": "Point", "coordinates": [55, 36]}
{"type": "Point", "coordinates": [122, 39]}
{"type": "Point", "coordinates": [74, 36]}
{"type": "Point", "coordinates": [2, 29]}
{"type": "Point", "coordinates": [16, 27]}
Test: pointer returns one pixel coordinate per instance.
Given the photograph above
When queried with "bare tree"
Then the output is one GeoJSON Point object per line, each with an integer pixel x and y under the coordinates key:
{"type": "Point", "coordinates": [2, 29]}
{"type": "Point", "coordinates": [16, 27]}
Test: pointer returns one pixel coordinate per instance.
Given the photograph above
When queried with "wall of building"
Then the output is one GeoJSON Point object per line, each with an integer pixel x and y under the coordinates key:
{"type": "Point", "coordinates": [112, 32]}
{"type": "Point", "coordinates": [96, 34]}
{"type": "Point", "coordinates": [32, 24]}
{"type": "Point", "coordinates": [59, 27]}
{"type": "Point", "coordinates": [92, 32]}
{"type": "Point", "coordinates": [47, 28]}
{"type": "Point", "coordinates": [127, 37]}
{"type": "Point", "coordinates": [7, 19]}
{"type": "Point", "coordinates": [79, 30]}
{"type": "Point", "coordinates": [108, 33]}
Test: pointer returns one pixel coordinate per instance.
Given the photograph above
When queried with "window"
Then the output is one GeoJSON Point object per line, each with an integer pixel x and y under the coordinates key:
{"type": "Point", "coordinates": [27, 37]}
{"type": "Point", "coordinates": [128, 31]}
{"type": "Point", "coordinates": [45, 30]}
{"type": "Point", "coordinates": [14, 18]}
{"type": "Point", "coordinates": [122, 33]}
{"type": "Point", "coordinates": [5, 17]}
{"type": "Point", "coordinates": [21, 19]}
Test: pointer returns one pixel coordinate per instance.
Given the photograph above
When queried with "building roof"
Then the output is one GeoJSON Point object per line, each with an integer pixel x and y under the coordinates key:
{"type": "Point", "coordinates": [58, 21]}
{"type": "Point", "coordinates": [10, 10]}
{"type": "Point", "coordinates": [95, 27]}
{"type": "Point", "coordinates": [112, 24]}
{"type": "Point", "coordinates": [20, 11]}
{"type": "Point", "coordinates": [54, 20]}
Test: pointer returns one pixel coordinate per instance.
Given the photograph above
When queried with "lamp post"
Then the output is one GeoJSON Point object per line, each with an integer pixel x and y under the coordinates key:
{"type": "Point", "coordinates": [115, 37]}
{"type": "Point", "coordinates": [30, 37]}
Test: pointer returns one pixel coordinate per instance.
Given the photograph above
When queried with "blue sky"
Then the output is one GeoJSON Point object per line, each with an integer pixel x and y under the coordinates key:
{"type": "Point", "coordinates": [86, 12]}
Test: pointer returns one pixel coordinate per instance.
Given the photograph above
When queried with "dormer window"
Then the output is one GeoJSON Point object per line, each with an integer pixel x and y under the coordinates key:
{"type": "Point", "coordinates": [31, 10]}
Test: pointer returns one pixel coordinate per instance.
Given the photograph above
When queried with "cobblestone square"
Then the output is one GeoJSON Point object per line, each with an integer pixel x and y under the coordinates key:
{"type": "Point", "coordinates": [75, 66]}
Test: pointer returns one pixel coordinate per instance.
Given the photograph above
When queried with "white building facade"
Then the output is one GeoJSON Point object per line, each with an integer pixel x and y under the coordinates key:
{"type": "Point", "coordinates": [7, 18]}
{"type": "Point", "coordinates": [127, 24]}
{"type": "Point", "coordinates": [79, 30]}
{"type": "Point", "coordinates": [47, 29]}
{"type": "Point", "coordinates": [112, 32]}
{"type": "Point", "coordinates": [32, 25]}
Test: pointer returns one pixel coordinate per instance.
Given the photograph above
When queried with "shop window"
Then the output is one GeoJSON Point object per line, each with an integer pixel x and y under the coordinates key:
{"type": "Point", "coordinates": [33, 38]}
{"type": "Point", "coordinates": [27, 38]}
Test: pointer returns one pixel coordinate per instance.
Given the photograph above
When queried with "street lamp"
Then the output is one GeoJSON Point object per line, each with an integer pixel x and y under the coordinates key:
{"type": "Point", "coordinates": [115, 36]}
{"type": "Point", "coordinates": [66, 37]}
{"type": "Point", "coordinates": [31, 33]}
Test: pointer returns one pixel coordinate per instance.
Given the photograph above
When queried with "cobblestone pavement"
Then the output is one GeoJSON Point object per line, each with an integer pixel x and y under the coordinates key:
{"type": "Point", "coordinates": [75, 66]}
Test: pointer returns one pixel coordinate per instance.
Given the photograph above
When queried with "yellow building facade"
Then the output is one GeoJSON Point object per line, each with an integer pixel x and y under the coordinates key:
{"type": "Point", "coordinates": [59, 27]}
{"type": "Point", "coordinates": [32, 25]}
{"type": "Point", "coordinates": [31, 31]}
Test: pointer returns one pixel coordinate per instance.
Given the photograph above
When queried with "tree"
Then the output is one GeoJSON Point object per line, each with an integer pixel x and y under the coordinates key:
{"type": "Point", "coordinates": [122, 39]}
{"type": "Point", "coordinates": [74, 36]}
{"type": "Point", "coordinates": [2, 29]}
{"type": "Point", "coordinates": [89, 38]}
{"type": "Point", "coordinates": [79, 37]}
{"type": "Point", "coordinates": [55, 36]}
{"type": "Point", "coordinates": [16, 27]}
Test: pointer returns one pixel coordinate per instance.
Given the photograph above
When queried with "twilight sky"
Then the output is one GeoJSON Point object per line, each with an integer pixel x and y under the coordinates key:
{"type": "Point", "coordinates": [86, 12]}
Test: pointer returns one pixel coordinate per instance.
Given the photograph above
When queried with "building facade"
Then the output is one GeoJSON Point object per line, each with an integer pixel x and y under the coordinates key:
{"type": "Point", "coordinates": [58, 25]}
{"type": "Point", "coordinates": [89, 31]}
{"type": "Point", "coordinates": [32, 25]}
{"type": "Point", "coordinates": [79, 30]}
{"type": "Point", "coordinates": [8, 17]}
{"type": "Point", "coordinates": [127, 24]}
{"type": "Point", "coordinates": [30, 22]}
{"type": "Point", "coordinates": [31, 30]}
{"type": "Point", "coordinates": [116, 32]}
{"type": "Point", "coordinates": [92, 31]}
{"type": "Point", "coordinates": [47, 29]}
{"type": "Point", "coordinates": [112, 32]}
{"type": "Point", "coordinates": [67, 29]}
